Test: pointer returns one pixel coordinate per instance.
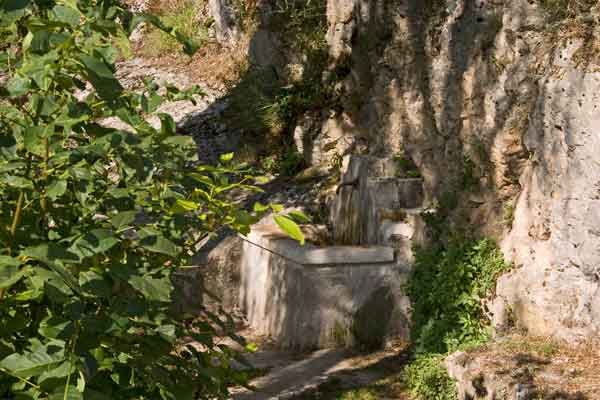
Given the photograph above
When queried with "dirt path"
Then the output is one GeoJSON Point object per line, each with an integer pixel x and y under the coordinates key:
{"type": "Point", "coordinates": [325, 374]}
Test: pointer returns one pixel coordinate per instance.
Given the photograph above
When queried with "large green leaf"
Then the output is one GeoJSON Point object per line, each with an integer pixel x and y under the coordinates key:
{"type": "Point", "coordinates": [18, 182]}
{"type": "Point", "coordinates": [9, 272]}
{"type": "Point", "coordinates": [225, 158]}
{"type": "Point", "coordinates": [33, 139]}
{"type": "Point", "coordinates": [289, 227]}
{"type": "Point", "coordinates": [155, 242]}
{"type": "Point", "coordinates": [55, 327]}
{"type": "Point", "coordinates": [152, 288]}
{"type": "Point", "coordinates": [47, 282]}
{"type": "Point", "coordinates": [167, 332]}
{"type": "Point", "coordinates": [11, 10]}
{"type": "Point", "coordinates": [50, 253]}
{"type": "Point", "coordinates": [62, 370]}
{"type": "Point", "coordinates": [167, 125]}
{"type": "Point", "coordinates": [94, 283]}
{"type": "Point", "coordinates": [67, 15]}
{"type": "Point", "coordinates": [299, 217]}
{"type": "Point", "coordinates": [18, 86]}
{"type": "Point", "coordinates": [101, 77]}
{"type": "Point", "coordinates": [40, 43]}
{"type": "Point", "coordinates": [43, 359]}
{"type": "Point", "coordinates": [122, 219]}
{"type": "Point", "coordinates": [94, 242]}
{"type": "Point", "coordinates": [183, 206]}
{"type": "Point", "coordinates": [56, 189]}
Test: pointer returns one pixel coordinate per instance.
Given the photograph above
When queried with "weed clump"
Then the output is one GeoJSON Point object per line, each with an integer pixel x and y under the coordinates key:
{"type": "Point", "coordinates": [447, 289]}
{"type": "Point", "coordinates": [287, 165]}
{"type": "Point", "coordinates": [558, 10]}
{"type": "Point", "coordinates": [181, 15]}
{"type": "Point", "coordinates": [428, 379]}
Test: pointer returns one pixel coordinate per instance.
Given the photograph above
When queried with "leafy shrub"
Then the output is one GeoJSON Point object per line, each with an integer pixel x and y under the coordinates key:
{"type": "Point", "coordinates": [428, 379]}
{"type": "Point", "coordinates": [270, 164]}
{"type": "Point", "coordinates": [289, 164]}
{"type": "Point", "coordinates": [95, 220]}
{"type": "Point", "coordinates": [292, 163]}
{"type": "Point", "coordinates": [446, 288]}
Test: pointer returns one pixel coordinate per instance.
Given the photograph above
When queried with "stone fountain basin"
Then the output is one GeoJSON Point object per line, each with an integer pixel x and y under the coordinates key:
{"type": "Point", "coordinates": [308, 297]}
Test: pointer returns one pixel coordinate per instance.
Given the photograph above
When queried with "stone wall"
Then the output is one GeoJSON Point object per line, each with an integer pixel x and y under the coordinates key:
{"type": "Point", "coordinates": [307, 297]}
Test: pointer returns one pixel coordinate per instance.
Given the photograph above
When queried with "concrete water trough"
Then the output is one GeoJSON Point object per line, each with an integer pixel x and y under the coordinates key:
{"type": "Point", "coordinates": [307, 297]}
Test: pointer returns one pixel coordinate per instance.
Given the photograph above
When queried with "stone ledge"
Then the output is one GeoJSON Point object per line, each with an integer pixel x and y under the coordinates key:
{"type": "Point", "coordinates": [309, 297]}
{"type": "Point", "coordinates": [272, 239]}
{"type": "Point", "coordinates": [347, 255]}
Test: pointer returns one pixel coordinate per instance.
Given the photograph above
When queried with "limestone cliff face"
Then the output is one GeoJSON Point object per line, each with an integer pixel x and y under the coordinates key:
{"type": "Point", "coordinates": [492, 105]}
{"type": "Point", "coordinates": [495, 107]}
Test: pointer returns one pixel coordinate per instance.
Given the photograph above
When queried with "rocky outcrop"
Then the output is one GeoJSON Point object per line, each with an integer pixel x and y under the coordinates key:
{"type": "Point", "coordinates": [227, 24]}
{"type": "Point", "coordinates": [555, 240]}
{"type": "Point", "coordinates": [519, 368]}
{"type": "Point", "coordinates": [493, 106]}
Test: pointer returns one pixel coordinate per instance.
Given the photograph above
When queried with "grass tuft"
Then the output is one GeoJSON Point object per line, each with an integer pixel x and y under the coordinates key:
{"type": "Point", "coordinates": [559, 10]}
{"type": "Point", "coordinates": [184, 17]}
{"type": "Point", "coordinates": [427, 379]}
{"type": "Point", "coordinates": [359, 394]}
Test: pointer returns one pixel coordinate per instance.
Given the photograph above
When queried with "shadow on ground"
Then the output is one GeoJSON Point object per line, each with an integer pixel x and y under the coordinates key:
{"type": "Point", "coordinates": [322, 374]}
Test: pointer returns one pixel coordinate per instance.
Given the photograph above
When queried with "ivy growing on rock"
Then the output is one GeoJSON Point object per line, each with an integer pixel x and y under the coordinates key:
{"type": "Point", "coordinates": [94, 219]}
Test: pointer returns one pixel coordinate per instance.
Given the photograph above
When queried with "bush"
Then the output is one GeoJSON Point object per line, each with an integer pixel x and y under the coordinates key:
{"type": "Point", "coordinates": [427, 379]}
{"type": "Point", "coordinates": [289, 164]}
{"type": "Point", "coordinates": [447, 287]}
{"type": "Point", "coordinates": [292, 163]}
{"type": "Point", "coordinates": [95, 220]}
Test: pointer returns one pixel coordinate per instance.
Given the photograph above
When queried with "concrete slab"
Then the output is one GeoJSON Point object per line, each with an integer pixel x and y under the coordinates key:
{"type": "Point", "coordinates": [309, 297]}
{"type": "Point", "coordinates": [348, 255]}
{"type": "Point", "coordinates": [309, 254]}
